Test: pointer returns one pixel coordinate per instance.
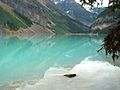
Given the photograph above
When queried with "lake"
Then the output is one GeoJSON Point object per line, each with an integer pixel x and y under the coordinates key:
{"type": "Point", "coordinates": [39, 63]}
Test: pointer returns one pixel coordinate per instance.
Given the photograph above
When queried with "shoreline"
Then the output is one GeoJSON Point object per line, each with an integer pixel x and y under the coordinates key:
{"type": "Point", "coordinates": [37, 30]}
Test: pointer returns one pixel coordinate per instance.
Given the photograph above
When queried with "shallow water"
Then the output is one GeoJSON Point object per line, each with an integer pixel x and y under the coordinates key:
{"type": "Point", "coordinates": [32, 63]}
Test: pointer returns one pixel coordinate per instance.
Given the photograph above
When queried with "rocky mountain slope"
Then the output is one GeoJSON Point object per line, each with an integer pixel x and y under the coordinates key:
{"type": "Point", "coordinates": [11, 19]}
{"type": "Point", "coordinates": [97, 10]}
{"type": "Point", "coordinates": [105, 21]}
{"type": "Point", "coordinates": [38, 16]}
{"type": "Point", "coordinates": [74, 10]}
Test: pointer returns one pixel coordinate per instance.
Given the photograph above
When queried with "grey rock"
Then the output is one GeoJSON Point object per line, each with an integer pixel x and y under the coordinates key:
{"type": "Point", "coordinates": [70, 75]}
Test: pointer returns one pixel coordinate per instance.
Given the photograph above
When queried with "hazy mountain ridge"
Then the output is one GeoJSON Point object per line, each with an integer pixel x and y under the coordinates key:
{"type": "Point", "coordinates": [97, 10]}
{"type": "Point", "coordinates": [105, 21]}
{"type": "Point", "coordinates": [74, 10]}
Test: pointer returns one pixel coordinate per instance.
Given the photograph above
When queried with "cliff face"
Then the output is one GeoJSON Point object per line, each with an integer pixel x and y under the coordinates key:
{"type": "Point", "coordinates": [47, 17]}
{"type": "Point", "coordinates": [105, 21]}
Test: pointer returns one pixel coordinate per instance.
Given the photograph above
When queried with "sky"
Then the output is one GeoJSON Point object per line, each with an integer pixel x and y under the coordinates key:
{"type": "Point", "coordinates": [105, 4]}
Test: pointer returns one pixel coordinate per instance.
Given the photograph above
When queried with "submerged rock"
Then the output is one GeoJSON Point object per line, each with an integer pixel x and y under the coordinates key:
{"type": "Point", "coordinates": [70, 75]}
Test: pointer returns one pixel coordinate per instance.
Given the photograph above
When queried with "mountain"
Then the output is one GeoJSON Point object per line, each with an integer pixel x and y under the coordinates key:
{"type": "Point", "coordinates": [37, 16]}
{"type": "Point", "coordinates": [74, 10]}
{"type": "Point", "coordinates": [97, 10]}
{"type": "Point", "coordinates": [10, 19]}
{"type": "Point", "coordinates": [105, 21]}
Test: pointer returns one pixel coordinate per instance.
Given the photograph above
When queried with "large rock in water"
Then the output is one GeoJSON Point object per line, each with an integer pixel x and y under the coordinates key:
{"type": "Point", "coordinates": [70, 75]}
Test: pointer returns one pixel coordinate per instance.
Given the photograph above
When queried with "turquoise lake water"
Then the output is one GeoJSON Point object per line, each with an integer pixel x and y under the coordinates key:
{"type": "Point", "coordinates": [29, 58]}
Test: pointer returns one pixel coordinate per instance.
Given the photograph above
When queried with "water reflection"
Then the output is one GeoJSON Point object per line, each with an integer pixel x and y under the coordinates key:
{"type": "Point", "coordinates": [26, 58]}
